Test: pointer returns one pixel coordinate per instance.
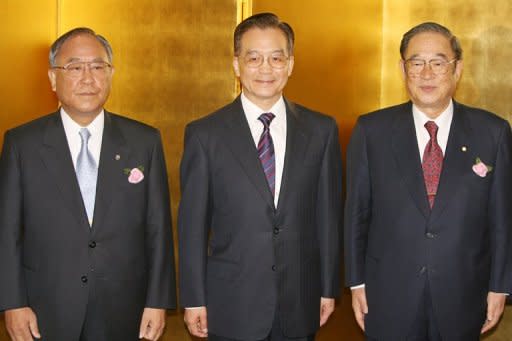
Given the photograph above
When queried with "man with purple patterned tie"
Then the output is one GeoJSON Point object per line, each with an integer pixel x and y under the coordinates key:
{"type": "Point", "coordinates": [428, 216]}
{"type": "Point", "coordinates": [260, 211]}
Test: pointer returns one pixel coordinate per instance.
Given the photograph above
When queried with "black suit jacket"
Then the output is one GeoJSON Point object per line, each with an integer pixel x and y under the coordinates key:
{"type": "Point", "coordinates": [50, 257]}
{"type": "Point", "coordinates": [394, 243]}
{"type": "Point", "coordinates": [259, 260]}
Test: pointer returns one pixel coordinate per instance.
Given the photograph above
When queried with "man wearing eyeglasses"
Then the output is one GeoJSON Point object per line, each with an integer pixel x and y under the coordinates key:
{"type": "Point", "coordinates": [428, 215]}
{"type": "Point", "coordinates": [260, 211]}
{"type": "Point", "coordinates": [85, 230]}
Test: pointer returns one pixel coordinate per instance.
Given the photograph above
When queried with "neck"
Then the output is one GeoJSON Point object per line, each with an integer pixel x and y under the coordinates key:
{"type": "Point", "coordinates": [265, 104]}
{"type": "Point", "coordinates": [83, 119]}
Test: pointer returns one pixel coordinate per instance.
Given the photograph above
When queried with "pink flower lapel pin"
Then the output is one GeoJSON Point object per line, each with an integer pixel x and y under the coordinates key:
{"type": "Point", "coordinates": [480, 168]}
{"type": "Point", "coordinates": [135, 175]}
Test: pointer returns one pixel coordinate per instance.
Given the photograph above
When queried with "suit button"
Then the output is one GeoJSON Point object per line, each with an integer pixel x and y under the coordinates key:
{"type": "Point", "coordinates": [273, 268]}
{"type": "Point", "coordinates": [276, 230]}
{"type": "Point", "coordinates": [430, 235]}
{"type": "Point", "coordinates": [92, 244]}
{"type": "Point", "coordinates": [84, 279]}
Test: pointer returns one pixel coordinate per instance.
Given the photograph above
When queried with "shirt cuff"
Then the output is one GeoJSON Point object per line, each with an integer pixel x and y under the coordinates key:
{"type": "Point", "coordinates": [357, 286]}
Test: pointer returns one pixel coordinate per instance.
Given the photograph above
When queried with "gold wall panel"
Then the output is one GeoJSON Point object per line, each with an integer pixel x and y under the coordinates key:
{"type": "Point", "coordinates": [485, 31]}
{"type": "Point", "coordinates": [337, 55]}
{"type": "Point", "coordinates": [27, 29]}
{"type": "Point", "coordinates": [172, 61]}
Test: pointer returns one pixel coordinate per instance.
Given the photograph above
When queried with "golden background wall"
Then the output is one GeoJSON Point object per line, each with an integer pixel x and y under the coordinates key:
{"type": "Point", "coordinates": [24, 89]}
{"type": "Point", "coordinates": [337, 55]}
{"type": "Point", "coordinates": [173, 64]}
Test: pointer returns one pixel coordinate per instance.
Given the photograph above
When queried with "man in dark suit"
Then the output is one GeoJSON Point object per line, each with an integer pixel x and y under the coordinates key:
{"type": "Point", "coordinates": [260, 210]}
{"type": "Point", "coordinates": [85, 230]}
{"type": "Point", "coordinates": [428, 216]}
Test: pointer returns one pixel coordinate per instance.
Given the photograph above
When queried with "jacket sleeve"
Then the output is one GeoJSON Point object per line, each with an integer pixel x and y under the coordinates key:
{"type": "Point", "coordinates": [329, 213]}
{"type": "Point", "coordinates": [13, 293]}
{"type": "Point", "coordinates": [357, 208]}
{"type": "Point", "coordinates": [500, 215]}
{"type": "Point", "coordinates": [193, 221]}
{"type": "Point", "coordinates": [161, 286]}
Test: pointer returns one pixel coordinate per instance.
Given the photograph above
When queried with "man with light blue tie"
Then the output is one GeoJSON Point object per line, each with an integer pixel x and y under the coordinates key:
{"type": "Point", "coordinates": [85, 228]}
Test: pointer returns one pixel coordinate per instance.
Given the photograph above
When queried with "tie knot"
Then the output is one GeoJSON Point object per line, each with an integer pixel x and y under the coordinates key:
{"type": "Point", "coordinates": [84, 134]}
{"type": "Point", "coordinates": [431, 127]}
{"type": "Point", "coordinates": [266, 118]}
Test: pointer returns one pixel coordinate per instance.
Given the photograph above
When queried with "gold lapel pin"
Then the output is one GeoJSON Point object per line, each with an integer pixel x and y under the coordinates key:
{"type": "Point", "coordinates": [117, 157]}
{"type": "Point", "coordinates": [464, 149]}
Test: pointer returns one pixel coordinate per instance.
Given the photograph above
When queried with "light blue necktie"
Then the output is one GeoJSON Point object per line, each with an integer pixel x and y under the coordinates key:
{"type": "Point", "coordinates": [87, 173]}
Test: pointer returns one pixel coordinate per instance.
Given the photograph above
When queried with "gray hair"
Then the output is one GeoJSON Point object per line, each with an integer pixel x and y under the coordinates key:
{"type": "Point", "coordinates": [431, 27]}
{"type": "Point", "coordinates": [55, 48]}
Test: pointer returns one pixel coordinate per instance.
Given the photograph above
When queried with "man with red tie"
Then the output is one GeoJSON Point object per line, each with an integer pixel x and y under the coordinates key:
{"type": "Point", "coordinates": [428, 216]}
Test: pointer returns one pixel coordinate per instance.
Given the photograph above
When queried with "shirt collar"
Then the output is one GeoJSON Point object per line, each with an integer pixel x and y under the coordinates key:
{"type": "Point", "coordinates": [95, 127]}
{"type": "Point", "coordinates": [442, 121]}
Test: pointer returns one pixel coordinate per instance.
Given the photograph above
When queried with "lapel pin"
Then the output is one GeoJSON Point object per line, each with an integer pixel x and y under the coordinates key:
{"type": "Point", "coordinates": [117, 157]}
{"type": "Point", "coordinates": [464, 149]}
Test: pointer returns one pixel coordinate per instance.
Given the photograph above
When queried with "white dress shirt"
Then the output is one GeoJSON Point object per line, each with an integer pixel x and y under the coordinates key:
{"type": "Point", "coordinates": [277, 131]}
{"type": "Point", "coordinates": [72, 129]}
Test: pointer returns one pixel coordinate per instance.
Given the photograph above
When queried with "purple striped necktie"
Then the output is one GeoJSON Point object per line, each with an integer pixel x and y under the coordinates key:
{"type": "Point", "coordinates": [266, 151]}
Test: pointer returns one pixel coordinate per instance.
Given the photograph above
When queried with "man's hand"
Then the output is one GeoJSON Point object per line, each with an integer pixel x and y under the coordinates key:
{"type": "Point", "coordinates": [21, 324]}
{"type": "Point", "coordinates": [359, 305]}
{"type": "Point", "coordinates": [152, 324]}
{"type": "Point", "coordinates": [495, 307]}
{"type": "Point", "coordinates": [326, 309]}
{"type": "Point", "coordinates": [195, 319]}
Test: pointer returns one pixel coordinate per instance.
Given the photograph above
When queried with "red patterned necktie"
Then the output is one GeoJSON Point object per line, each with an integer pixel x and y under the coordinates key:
{"type": "Point", "coordinates": [266, 151]}
{"type": "Point", "coordinates": [432, 162]}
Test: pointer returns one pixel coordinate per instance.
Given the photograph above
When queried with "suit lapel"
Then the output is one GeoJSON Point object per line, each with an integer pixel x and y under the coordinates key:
{"type": "Point", "coordinates": [113, 158]}
{"type": "Point", "coordinates": [455, 161]}
{"type": "Point", "coordinates": [57, 159]}
{"type": "Point", "coordinates": [240, 142]}
{"type": "Point", "coordinates": [407, 157]}
{"type": "Point", "coordinates": [297, 139]}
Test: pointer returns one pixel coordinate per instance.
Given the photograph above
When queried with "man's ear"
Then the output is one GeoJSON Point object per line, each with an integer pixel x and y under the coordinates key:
{"type": "Point", "coordinates": [53, 79]}
{"type": "Point", "coordinates": [401, 63]}
{"type": "Point", "coordinates": [236, 66]}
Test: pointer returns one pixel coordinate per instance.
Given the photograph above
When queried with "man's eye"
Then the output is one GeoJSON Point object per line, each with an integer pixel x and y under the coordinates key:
{"type": "Point", "coordinates": [75, 68]}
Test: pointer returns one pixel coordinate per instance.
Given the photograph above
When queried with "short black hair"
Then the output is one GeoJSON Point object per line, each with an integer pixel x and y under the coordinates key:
{"type": "Point", "coordinates": [263, 21]}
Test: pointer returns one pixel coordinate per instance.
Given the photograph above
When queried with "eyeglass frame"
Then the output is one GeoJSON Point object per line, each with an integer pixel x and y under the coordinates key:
{"type": "Point", "coordinates": [263, 58]}
{"type": "Point", "coordinates": [425, 63]}
{"type": "Point", "coordinates": [87, 65]}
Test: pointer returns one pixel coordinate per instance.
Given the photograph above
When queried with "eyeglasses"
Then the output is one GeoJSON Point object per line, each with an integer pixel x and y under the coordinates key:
{"type": "Point", "coordinates": [438, 66]}
{"type": "Point", "coordinates": [275, 60]}
{"type": "Point", "coordinates": [76, 69]}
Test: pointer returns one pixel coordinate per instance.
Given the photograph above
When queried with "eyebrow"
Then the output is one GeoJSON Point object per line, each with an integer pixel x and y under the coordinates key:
{"type": "Point", "coordinates": [271, 52]}
{"type": "Point", "coordinates": [76, 59]}
{"type": "Point", "coordinates": [442, 55]}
